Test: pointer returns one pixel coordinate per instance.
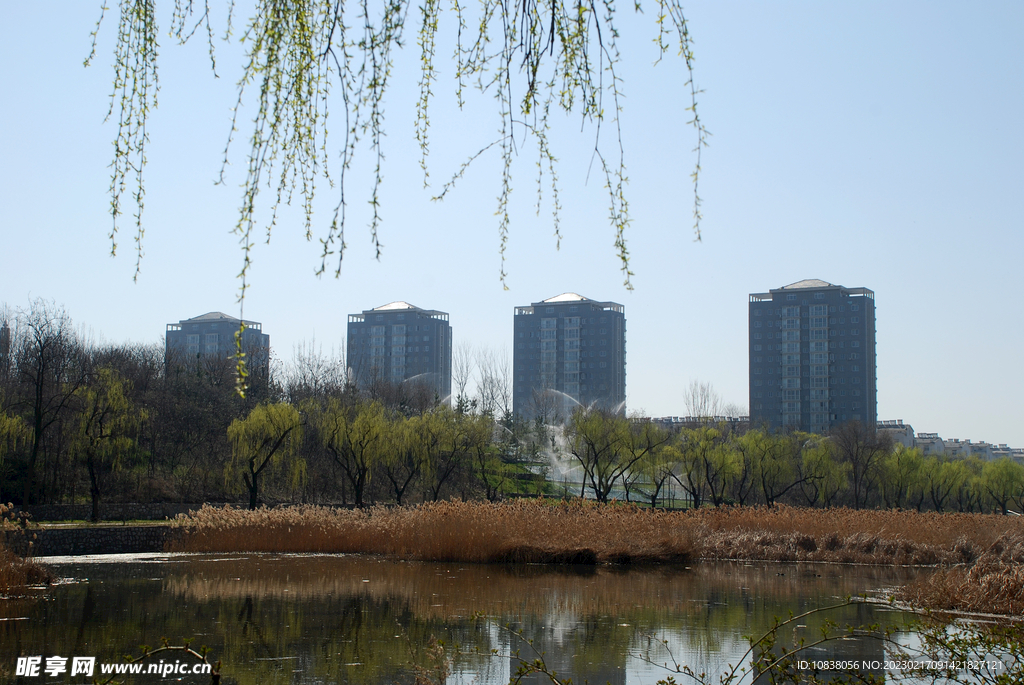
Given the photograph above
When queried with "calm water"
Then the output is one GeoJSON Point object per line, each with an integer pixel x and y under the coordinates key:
{"type": "Point", "coordinates": [350, 619]}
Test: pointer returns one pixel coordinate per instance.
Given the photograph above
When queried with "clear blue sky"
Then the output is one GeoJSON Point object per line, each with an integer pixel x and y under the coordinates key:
{"type": "Point", "coordinates": [866, 144]}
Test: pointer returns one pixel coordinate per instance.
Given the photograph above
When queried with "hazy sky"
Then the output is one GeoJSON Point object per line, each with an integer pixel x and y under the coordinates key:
{"type": "Point", "coordinates": [867, 144]}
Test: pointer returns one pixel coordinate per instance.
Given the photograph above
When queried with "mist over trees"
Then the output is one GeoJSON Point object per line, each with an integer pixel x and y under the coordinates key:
{"type": "Point", "coordinates": [94, 423]}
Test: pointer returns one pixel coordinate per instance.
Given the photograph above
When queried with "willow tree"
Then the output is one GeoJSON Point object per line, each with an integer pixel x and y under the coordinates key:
{"type": "Point", "coordinates": [356, 439]}
{"type": "Point", "coordinates": [108, 424]}
{"type": "Point", "coordinates": [308, 58]}
{"type": "Point", "coordinates": [13, 432]}
{"type": "Point", "coordinates": [270, 436]}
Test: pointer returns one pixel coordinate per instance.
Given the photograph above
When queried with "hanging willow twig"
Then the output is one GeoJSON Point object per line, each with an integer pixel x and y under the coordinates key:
{"type": "Point", "coordinates": [533, 56]}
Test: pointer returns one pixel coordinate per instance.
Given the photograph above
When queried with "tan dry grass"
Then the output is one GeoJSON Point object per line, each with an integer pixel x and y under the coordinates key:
{"type": "Point", "coordinates": [17, 573]}
{"type": "Point", "coordinates": [993, 584]}
{"type": "Point", "coordinates": [985, 551]}
{"type": "Point", "coordinates": [985, 587]}
{"type": "Point", "coordinates": [521, 531]}
{"type": "Point", "coordinates": [585, 532]}
{"type": "Point", "coordinates": [849, 536]}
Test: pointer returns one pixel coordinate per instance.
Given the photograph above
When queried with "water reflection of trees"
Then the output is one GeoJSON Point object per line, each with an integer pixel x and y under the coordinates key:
{"type": "Point", "coordinates": [354, 619]}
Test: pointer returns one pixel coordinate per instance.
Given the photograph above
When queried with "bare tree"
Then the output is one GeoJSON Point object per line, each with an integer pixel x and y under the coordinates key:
{"type": "Point", "coordinates": [6, 332]}
{"type": "Point", "coordinates": [702, 402]}
{"type": "Point", "coordinates": [315, 374]}
{"type": "Point", "coordinates": [494, 382]}
{"type": "Point", "coordinates": [463, 363]}
{"type": "Point", "coordinates": [50, 370]}
{"type": "Point", "coordinates": [734, 410]}
{"type": "Point", "coordinates": [863, 449]}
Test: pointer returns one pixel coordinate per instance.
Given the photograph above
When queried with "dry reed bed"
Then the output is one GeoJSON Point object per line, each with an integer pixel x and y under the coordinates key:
{"type": "Point", "coordinates": [17, 573]}
{"type": "Point", "coordinates": [986, 552]}
{"type": "Point", "coordinates": [989, 587]}
{"type": "Point", "coordinates": [522, 531]}
{"type": "Point", "coordinates": [851, 536]}
{"type": "Point", "coordinates": [584, 532]}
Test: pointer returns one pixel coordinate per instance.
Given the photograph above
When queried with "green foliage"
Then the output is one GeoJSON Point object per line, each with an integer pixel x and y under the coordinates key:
{"type": "Point", "coordinates": [107, 428]}
{"type": "Point", "coordinates": [941, 477]}
{"type": "Point", "coordinates": [13, 432]}
{"type": "Point", "coordinates": [1003, 481]}
{"type": "Point", "coordinates": [708, 465]}
{"type": "Point", "coordinates": [825, 477]}
{"type": "Point", "coordinates": [355, 436]}
{"type": "Point", "coordinates": [774, 462]}
{"type": "Point", "coordinates": [269, 436]}
{"type": "Point", "coordinates": [443, 440]}
{"type": "Point", "coordinates": [901, 469]}
{"type": "Point", "coordinates": [596, 440]}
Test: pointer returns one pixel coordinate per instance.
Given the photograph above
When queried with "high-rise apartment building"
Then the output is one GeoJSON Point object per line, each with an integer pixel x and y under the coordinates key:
{"type": "Point", "coordinates": [212, 335]}
{"type": "Point", "coordinates": [569, 351]}
{"type": "Point", "coordinates": [812, 357]}
{"type": "Point", "coordinates": [399, 343]}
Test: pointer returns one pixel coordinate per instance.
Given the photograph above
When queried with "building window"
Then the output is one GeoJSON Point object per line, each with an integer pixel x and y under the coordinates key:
{"type": "Point", "coordinates": [757, 324]}
{"type": "Point", "coordinates": [819, 296]}
{"type": "Point", "coordinates": [791, 298]}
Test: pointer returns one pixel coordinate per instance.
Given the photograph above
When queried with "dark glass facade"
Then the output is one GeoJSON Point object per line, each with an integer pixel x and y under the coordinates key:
{"type": "Point", "coordinates": [569, 351]}
{"type": "Point", "coordinates": [812, 357]}
{"type": "Point", "coordinates": [400, 343]}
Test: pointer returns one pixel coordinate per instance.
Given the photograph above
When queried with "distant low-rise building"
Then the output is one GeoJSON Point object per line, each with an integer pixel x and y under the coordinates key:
{"type": "Point", "coordinates": [930, 443]}
{"type": "Point", "coordinates": [900, 433]}
{"type": "Point", "coordinates": [734, 424]}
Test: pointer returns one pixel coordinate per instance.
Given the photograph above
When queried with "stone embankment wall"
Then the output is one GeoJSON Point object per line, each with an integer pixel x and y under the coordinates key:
{"type": "Point", "coordinates": [52, 542]}
{"type": "Point", "coordinates": [109, 512]}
